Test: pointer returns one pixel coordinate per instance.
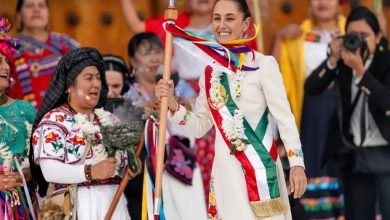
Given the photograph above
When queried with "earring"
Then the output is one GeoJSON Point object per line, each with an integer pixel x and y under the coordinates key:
{"type": "Point", "coordinates": [68, 98]}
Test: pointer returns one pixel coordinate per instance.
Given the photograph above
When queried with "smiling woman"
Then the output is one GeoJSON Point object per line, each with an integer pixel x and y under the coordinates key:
{"type": "Point", "coordinates": [16, 117]}
{"type": "Point", "coordinates": [247, 175]}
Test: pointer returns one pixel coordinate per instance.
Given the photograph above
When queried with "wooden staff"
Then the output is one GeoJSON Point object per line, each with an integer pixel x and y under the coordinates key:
{"type": "Point", "coordinates": [123, 183]}
{"type": "Point", "coordinates": [259, 38]}
{"type": "Point", "coordinates": [170, 15]}
{"type": "Point", "coordinates": [378, 7]}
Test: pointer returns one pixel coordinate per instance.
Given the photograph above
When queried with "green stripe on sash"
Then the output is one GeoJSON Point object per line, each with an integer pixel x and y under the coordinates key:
{"type": "Point", "coordinates": [256, 141]}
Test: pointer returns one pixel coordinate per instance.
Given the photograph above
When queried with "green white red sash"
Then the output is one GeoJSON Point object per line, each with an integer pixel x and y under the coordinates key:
{"type": "Point", "coordinates": [258, 158]}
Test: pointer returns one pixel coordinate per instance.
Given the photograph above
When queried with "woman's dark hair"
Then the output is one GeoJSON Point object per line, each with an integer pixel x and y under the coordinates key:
{"type": "Point", "coordinates": [116, 63]}
{"type": "Point", "coordinates": [148, 38]}
{"type": "Point", "coordinates": [363, 13]}
{"type": "Point", "coordinates": [242, 6]}
{"type": "Point", "coordinates": [20, 4]}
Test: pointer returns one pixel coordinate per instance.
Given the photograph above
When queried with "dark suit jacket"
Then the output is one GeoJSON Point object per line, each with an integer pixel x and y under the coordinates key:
{"type": "Point", "coordinates": [375, 84]}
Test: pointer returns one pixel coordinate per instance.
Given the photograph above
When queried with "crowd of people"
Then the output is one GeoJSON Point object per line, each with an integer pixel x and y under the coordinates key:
{"type": "Point", "coordinates": [326, 87]}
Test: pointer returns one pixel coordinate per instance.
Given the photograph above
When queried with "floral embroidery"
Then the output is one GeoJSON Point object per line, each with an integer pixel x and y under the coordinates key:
{"type": "Point", "coordinates": [51, 137]}
{"type": "Point", "coordinates": [238, 76]}
{"type": "Point", "coordinates": [186, 117]}
{"type": "Point", "coordinates": [218, 95]}
{"type": "Point", "coordinates": [234, 131]}
{"type": "Point", "coordinates": [294, 153]}
{"type": "Point", "coordinates": [60, 118]}
{"type": "Point", "coordinates": [212, 211]}
{"type": "Point", "coordinates": [181, 165]}
{"type": "Point", "coordinates": [35, 140]}
{"type": "Point", "coordinates": [77, 140]}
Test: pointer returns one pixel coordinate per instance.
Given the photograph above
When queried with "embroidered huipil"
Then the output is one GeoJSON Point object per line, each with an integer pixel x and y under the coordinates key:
{"type": "Point", "coordinates": [261, 89]}
{"type": "Point", "coordinates": [58, 142]}
{"type": "Point", "coordinates": [35, 64]}
{"type": "Point", "coordinates": [14, 134]}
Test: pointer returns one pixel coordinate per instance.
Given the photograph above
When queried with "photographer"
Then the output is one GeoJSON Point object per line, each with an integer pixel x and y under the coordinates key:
{"type": "Point", "coordinates": [359, 65]}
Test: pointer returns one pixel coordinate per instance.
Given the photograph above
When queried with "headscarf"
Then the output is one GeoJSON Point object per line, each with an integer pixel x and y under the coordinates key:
{"type": "Point", "coordinates": [69, 67]}
{"type": "Point", "coordinates": [65, 74]}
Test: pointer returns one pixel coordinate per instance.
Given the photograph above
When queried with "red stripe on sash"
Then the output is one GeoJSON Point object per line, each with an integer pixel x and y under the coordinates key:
{"type": "Point", "coordinates": [249, 171]}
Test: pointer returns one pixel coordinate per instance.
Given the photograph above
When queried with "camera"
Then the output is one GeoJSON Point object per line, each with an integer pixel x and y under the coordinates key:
{"type": "Point", "coordinates": [353, 40]}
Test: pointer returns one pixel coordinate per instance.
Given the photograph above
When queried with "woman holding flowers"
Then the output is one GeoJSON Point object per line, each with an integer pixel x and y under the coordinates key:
{"type": "Point", "coordinates": [16, 117]}
{"type": "Point", "coordinates": [248, 181]}
{"type": "Point", "coordinates": [67, 138]}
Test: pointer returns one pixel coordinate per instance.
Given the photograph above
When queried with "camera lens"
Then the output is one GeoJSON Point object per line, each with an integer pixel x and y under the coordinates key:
{"type": "Point", "coordinates": [352, 41]}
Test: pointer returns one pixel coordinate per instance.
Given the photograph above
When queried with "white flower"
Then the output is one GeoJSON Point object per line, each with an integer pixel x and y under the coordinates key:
{"type": "Point", "coordinates": [99, 153]}
{"type": "Point", "coordinates": [104, 117]}
{"type": "Point", "coordinates": [28, 137]}
{"type": "Point", "coordinates": [215, 90]}
{"type": "Point", "coordinates": [7, 157]}
{"type": "Point", "coordinates": [84, 125]}
{"type": "Point", "coordinates": [238, 76]}
{"type": "Point", "coordinates": [234, 130]}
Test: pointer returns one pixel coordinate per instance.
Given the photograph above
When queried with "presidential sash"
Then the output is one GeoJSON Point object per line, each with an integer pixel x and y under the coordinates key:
{"type": "Point", "coordinates": [257, 158]}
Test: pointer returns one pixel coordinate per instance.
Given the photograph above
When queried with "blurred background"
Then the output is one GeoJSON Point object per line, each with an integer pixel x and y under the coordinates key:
{"type": "Point", "coordinates": [100, 23]}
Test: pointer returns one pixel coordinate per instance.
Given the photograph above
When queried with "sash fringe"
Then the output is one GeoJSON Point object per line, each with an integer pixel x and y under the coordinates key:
{"type": "Point", "coordinates": [269, 207]}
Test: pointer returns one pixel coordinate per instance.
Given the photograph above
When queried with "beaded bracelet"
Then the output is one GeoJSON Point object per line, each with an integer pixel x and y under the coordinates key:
{"type": "Point", "coordinates": [88, 172]}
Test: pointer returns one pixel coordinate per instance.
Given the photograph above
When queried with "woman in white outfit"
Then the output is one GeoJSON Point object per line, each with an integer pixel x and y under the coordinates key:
{"type": "Point", "coordinates": [247, 176]}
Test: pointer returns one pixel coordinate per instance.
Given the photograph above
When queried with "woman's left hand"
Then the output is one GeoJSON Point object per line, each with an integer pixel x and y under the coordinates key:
{"type": "Point", "coordinates": [353, 60]}
{"type": "Point", "coordinates": [298, 181]}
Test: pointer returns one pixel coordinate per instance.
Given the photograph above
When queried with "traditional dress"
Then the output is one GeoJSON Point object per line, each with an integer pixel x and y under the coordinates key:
{"type": "Point", "coordinates": [58, 146]}
{"type": "Point", "coordinates": [323, 198]}
{"type": "Point", "coordinates": [35, 65]}
{"type": "Point", "coordinates": [15, 129]}
{"type": "Point", "coordinates": [235, 193]}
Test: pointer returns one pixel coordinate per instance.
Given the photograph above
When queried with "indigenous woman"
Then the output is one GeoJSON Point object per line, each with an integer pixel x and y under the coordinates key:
{"type": "Point", "coordinates": [37, 61]}
{"type": "Point", "coordinates": [67, 137]}
{"type": "Point", "coordinates": [248, 181]}
{"type": "Point", "coordinates": [314, 114]}
{"type": "Point", "coordinates": [16, 118]}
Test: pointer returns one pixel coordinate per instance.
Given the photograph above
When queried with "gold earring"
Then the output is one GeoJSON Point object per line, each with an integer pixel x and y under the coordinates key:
{"type": "Point", "coordinates": [68, 98]}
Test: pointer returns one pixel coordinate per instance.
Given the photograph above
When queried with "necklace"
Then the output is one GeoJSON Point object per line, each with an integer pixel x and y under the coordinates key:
{"type": "Point", "coordinates": [3, 99]}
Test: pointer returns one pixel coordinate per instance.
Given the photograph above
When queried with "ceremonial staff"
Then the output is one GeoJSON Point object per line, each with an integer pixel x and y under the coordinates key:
{"type": "Point", "coordinates": [123, 184]}
{"type": "Point", "coordinates": [259, 38]}
{"type": "Point", "coordinates": [170, 16]}
{"type": "Point", "coordinates": [378, 7]}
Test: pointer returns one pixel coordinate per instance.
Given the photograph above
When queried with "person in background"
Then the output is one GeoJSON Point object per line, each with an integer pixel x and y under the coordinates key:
{"type": "Point", "coordinates": [43, 49]}
{"type": "Point", "coordinates": [198, 20]}
{"type": "Point", "coordinates": [361, 72]}
{"type": "Point", "coordinates": [117, 76]}
{"type": "Point", "coordinates": [146, 58]}
{"type": "Point", "coordinates": [197, 17]}
{"type": "Point", "coordinates": [145, 53]}
{"type": "Point", "coordinates": [16, 118]}
{"type": "Point", "coordinates": [315, 115]}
